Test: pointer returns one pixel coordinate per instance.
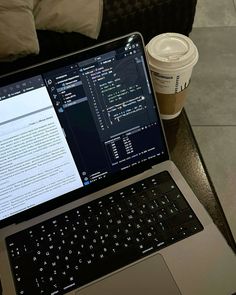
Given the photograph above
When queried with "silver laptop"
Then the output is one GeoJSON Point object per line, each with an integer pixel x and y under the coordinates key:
{"type": "Point", "coordinates": [90, 202]}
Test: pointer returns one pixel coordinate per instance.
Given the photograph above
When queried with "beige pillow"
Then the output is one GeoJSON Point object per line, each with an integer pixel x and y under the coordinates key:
{"type": "Point", "coordinates": [83, 16]}
{"type": "Point", "coordinates": [17, 29]}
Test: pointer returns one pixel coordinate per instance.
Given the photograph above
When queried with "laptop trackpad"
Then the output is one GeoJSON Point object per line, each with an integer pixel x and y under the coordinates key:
{"type": "Point", "coordinates": [150, 277]}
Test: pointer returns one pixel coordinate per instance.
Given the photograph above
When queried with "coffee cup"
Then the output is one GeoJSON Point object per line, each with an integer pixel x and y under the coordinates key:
{"type": "Point", "coordinates": [171, 57]}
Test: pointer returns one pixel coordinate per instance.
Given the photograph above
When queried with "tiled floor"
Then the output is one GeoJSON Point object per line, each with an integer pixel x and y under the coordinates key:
{"type": "Point", "coordinates": [211, 104]}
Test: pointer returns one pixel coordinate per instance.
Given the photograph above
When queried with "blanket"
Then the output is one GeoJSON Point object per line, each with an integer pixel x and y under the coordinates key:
{"type": "Point", "coordinates": [19, 20]}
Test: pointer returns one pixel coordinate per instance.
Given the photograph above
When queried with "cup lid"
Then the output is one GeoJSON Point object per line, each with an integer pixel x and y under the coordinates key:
{"type": "Point", "coordinates": [172, 50]}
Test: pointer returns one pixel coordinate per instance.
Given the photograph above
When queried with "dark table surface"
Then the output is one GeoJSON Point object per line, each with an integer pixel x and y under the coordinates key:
{"type": "Point", "coordinates": [186, 155]}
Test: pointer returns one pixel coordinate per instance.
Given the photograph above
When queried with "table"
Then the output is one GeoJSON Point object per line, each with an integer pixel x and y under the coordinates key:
{"type": "Point", "coordinates": [185, 153]}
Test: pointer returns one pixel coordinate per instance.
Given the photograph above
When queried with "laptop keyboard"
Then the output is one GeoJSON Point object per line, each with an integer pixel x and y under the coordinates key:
{"type": "Point", "coordinates": [88, 242]}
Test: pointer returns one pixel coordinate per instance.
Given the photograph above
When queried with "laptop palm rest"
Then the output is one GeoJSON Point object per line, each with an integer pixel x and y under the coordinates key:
{"type": "Point", "coordinates": [150, 276]}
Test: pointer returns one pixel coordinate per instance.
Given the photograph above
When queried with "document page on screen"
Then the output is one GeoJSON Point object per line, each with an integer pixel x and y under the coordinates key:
{"type": "Point", "coordinates": [36, 162]}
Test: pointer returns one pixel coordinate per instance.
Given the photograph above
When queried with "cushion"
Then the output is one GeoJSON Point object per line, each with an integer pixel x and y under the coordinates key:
{"type": "Point", "coordinates": [17, 29]}
{"type": "Point", "coordinates": [82, 16]}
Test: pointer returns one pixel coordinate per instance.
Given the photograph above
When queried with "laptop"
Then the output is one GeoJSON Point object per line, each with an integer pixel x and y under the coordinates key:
{"type": "Point", "coordinates": [90, 202]}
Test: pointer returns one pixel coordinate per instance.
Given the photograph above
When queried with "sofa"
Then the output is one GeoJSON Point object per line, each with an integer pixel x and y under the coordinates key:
{"type": "Point", "coordinates": [149, 17]}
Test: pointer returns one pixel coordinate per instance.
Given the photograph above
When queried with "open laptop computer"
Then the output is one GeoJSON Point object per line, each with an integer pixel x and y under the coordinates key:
{"type": "Point", "coordinates": [90, 202]}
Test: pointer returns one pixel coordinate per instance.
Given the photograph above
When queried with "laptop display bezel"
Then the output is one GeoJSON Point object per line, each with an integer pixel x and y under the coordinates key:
{"type": "Point", "coordinates": [122, 175]}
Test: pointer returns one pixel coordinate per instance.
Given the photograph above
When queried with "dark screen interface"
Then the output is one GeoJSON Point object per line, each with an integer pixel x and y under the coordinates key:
{"type": "Point", "coordinates": [107, 111]}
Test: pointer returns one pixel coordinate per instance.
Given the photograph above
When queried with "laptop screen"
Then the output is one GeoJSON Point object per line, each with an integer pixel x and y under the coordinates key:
{"type": "Point", "coordinates": [84, 119]}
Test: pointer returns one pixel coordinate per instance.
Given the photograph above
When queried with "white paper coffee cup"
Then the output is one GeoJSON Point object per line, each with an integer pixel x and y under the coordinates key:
{"type": "Point", "coordinates": [171, 57]}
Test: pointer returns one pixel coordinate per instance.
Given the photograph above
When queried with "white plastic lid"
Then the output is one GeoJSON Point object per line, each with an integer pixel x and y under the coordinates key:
{"type": "Point", "coordinates": [172, 51]}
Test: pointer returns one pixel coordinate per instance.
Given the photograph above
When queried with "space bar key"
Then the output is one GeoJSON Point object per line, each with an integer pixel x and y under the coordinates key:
{"type": "Point", "coordinates": [104, 266]}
